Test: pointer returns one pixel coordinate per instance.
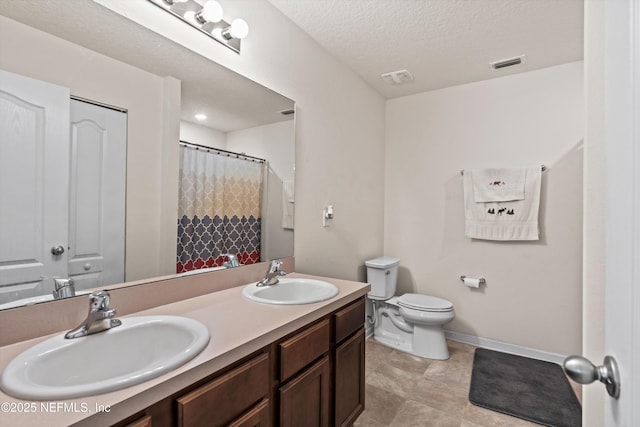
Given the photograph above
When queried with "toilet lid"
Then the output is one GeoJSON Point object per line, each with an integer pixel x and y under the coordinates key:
{"type": "Point", "coordinates": [424, 302]}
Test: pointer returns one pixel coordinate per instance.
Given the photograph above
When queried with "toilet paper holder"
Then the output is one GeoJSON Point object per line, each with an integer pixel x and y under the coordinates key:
{"type": "Point", "coordinates": [481, 280]}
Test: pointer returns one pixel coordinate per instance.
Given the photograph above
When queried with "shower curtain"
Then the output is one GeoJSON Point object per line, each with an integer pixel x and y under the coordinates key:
{"type": "Point", "coordinates": [219, 209]}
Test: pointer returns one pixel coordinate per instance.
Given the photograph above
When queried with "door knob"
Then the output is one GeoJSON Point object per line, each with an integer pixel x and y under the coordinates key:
{"type": "Point", "coordinates": [582, 371]}
{"type": "Point", "coordinates": [57, 250]}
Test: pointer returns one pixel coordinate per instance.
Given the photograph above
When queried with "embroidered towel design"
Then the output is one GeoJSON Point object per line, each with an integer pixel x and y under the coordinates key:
{"type": "Point", "coordinates": [498, 185]}
{"type": "Point", "coordinates": [512, 220]}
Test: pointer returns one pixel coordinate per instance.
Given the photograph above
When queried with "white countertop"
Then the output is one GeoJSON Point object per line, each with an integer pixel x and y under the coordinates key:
{"type": "Point", "coordinates": [238, 328]}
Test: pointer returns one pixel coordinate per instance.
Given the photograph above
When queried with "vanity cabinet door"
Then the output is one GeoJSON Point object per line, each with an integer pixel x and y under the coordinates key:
{"type": "Point", "coordinates": [256, 417]}
{"type": "Point", "coordinates": [304, 401]}
{"type": "Point", "coordinates": [227, 398]}
{"type": "Point", "coordinates": [349, 379]}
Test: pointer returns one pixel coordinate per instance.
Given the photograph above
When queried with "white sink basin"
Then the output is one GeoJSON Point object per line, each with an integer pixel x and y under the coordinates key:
{"type": "Point", "coordinates": [291, 291]}
{"type": "Point", "coordinates": [140, 349]}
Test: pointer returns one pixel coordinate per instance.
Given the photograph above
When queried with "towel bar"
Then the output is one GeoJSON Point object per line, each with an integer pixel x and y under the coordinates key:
{"type": "Point", "coordinates": [542, 168]}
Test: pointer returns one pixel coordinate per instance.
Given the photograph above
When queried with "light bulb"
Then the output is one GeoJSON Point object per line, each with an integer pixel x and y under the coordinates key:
{"type": "Point", "coordinates": [239, 28]}
{"type": "Point", "coordinates": [210, 12]}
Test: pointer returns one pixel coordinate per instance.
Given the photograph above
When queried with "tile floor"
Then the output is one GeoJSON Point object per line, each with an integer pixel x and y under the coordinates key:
{"type": "Point", "coordinates": [403, 391]}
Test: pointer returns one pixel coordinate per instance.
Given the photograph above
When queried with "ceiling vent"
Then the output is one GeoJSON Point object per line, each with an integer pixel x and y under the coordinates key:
{"type": "Point", "coordinates": [397, 77]}
{"type": "Point", "coordinates": [509, 62]}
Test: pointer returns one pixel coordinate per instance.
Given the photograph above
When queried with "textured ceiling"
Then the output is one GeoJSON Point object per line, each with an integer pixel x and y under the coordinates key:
{"type": "Point", "coordinates": [441, 42]}
{"type": "Point", "coordinates": [230, 101]}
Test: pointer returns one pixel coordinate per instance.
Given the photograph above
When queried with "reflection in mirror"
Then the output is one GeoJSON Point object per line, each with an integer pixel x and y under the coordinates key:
{"type": "Point", "coordinates": [241, 117]}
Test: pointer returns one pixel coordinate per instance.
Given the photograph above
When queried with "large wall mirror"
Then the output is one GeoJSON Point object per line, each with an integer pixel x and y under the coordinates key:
{"type": "Point", "coordinates": [111, 61]}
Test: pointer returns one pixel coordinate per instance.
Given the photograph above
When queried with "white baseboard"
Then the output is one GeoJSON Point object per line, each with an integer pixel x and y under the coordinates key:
{"type": "Point", "coordinates": [505, 347]}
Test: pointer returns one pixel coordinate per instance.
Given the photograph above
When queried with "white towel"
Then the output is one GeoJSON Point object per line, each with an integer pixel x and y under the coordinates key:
{"type": "Point", "coordinates": [515, 220]}
{"type": "Point", "coordinates": [288, 196]}
{"type": "Point", "coordinates": [498, 185]}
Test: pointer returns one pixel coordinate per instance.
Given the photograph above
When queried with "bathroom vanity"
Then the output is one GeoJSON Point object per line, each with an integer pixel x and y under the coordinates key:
{"type": "Point", "coordinates": [314, 376]}
{"type": "Point", "coordinates": [265, 364]}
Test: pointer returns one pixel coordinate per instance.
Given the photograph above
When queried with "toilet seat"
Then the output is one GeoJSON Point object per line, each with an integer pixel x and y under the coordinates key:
{"type": "Point", "coordinates": [424, 303]}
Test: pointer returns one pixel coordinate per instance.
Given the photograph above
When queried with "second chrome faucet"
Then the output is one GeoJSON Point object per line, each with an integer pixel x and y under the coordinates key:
{"type": "Point", "coordinates": [100, 317]}
{"type": "Point", "coordinates": [271, 276]}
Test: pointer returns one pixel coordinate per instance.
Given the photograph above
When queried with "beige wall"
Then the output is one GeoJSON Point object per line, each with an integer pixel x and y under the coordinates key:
{"type": "Point", "coordinates": [533, 296]}
{"type": "Point", "coordinates": [148, 99]}
{"type": "Point", "coordinates": [339, 129]}
{"type": "Point", "coordinates": [593, 333]}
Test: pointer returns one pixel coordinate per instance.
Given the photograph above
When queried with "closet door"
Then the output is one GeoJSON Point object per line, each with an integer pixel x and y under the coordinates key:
{"type": "Point", "coordinates": [97, 195]}
{"type": "Point", "coordinates": [34, 184]}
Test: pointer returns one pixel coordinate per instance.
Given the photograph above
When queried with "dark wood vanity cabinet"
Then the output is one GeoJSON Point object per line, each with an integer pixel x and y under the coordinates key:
{"type": "Point", "coordinates": [348, 364]}
{"type": "Point", "coordinates": [305, 377]}
{"type": "Point", "coordinates": [312, 377]}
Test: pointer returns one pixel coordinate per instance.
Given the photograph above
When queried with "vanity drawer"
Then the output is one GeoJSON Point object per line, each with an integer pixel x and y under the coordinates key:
{"type": "Point", "coordinates": [349, 319]}
{"type": "Point", "coordinates": [302, 349]}
{"type": "Point", "coordinates": [226, 398]}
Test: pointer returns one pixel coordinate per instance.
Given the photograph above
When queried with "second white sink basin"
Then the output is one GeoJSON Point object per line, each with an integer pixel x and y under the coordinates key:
{"type": "Point", "coordinates": [291, 291]}
{"type": "Point", "coordinates": [140, 349]}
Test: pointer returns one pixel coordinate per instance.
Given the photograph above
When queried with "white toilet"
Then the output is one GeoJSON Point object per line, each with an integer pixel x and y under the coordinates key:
{"type": "Point", "coordinates": [412, 323]}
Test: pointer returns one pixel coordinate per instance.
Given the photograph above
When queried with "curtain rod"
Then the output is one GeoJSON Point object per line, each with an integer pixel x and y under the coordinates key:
{"type": "Point", "coordinates": [542, 168]}
{"type": "Point", "coordinates": [220, 151]}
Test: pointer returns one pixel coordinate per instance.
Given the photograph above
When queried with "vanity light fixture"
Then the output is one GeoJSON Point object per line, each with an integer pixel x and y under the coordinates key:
{"type": "Point", "coordinates": [200, 117]}
{"type": "Point", "coordinates": [207, 17]}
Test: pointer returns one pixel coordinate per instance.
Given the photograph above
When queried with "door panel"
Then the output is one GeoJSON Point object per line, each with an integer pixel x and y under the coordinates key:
{"type": "Point", "coordinates": [97, 195]}
{"type": "Point", "coordinates": [34, 167]}
{"type": "Point", "coordinates": [622, 199]}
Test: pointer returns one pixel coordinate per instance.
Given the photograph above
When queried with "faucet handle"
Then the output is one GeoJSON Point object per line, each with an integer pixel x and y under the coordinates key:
{"type": "Point", "coordinates": [233, 261]}
{"type": "Point", "coordinates": [275, 265]}
{"type": "Point", "coordinates": [98, 301]}
{"type": "Point", "coordinates": [63, 288]}
{"type": "Point", "coordinates": [59, 283]}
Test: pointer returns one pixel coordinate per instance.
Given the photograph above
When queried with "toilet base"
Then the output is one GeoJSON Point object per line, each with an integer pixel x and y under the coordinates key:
{"type": "Point", "coordinates": [426, 341]}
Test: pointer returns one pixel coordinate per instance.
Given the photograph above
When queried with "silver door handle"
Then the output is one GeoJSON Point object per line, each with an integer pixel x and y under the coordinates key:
{"type": "Point", "coordinates": [582, 371]}
{"type": "Point", "coordinates": [57, 250]}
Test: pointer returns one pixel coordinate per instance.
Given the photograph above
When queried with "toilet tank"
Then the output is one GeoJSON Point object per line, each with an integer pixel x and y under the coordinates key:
{"type": "Point", "coordinates": [382, 275]}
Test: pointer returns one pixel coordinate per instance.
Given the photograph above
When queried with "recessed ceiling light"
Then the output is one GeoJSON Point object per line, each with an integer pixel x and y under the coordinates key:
{"type": "Point", "coordinates": [200, 116]}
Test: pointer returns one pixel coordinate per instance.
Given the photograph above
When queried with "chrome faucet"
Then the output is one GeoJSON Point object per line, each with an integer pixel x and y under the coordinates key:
{"type": "Point", "coordinates": [100, 317]}
{"type": "Point", "coordinates": [63, 288]}
{"type": "Point", "coordinates": [232, 261]}
{"type": "Point", "coordinates": [271, 276]}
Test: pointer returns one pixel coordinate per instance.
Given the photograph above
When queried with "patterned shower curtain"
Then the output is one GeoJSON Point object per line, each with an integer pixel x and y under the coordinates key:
{"type": "Point", "coordinates": [219, 210]}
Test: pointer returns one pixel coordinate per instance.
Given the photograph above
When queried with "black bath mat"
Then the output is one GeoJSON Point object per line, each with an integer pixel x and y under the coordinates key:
{"type": "Point", "coordinates": [534, 390]}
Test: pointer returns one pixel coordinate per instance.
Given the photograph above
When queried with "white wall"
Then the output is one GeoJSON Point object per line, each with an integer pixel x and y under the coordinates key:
{"type": "Point", "coordinates": [276, 143]}
{"type": "Point", "coordinates": [339, 129]}
{"type": "Point", "coordinates": [202, 135]}
{"type": "Point", "coordinates": [533, 294]}
{"type": "Point", "coordinates": [150, 139]}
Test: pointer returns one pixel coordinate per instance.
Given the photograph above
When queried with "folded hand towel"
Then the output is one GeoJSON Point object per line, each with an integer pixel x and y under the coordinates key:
{"type": "Point", "coordinates": [287, 204]}
{"type": "Point", "coordinates": [514, 220]}
{"type": "Point", "coordinates": [498, 185]}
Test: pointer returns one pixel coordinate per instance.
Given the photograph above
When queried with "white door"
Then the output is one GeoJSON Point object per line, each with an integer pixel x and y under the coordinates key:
{"type": "Point", "coordinates": [622, 135]}
{"type": "Point", "coordinates": [34, 168]}
{"type": "Point", "coordinates": [97, 195]}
